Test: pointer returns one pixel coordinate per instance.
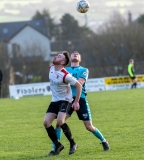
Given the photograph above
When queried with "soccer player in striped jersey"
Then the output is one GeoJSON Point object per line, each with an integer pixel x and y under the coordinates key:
{"type": "Point", "coordinates": [131, 73]}
{"type": "Point", "coordinates": [84, 113]}
{"type": "Point", "coordinates": [60, 81]}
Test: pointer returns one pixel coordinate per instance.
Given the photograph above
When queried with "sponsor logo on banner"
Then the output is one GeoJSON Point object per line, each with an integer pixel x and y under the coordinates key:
{"type": "Point", "coordinates": [29, 89]}
{"type": "Point", "coordinates": [124, 82]}
{"type": "Point", "coordinates": [96, 84]}
{"type": "Point", "coordinates": [117, 80]}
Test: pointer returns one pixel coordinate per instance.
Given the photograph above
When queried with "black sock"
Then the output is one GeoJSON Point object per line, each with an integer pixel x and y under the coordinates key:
{"type": "Point", "coordinates": [52, 134]}
{"type": "Point", "coordinates": [135, 84]}
{"type": "Point", "coordinates": [67, 133]}
{"type": "Point", "coordinates": [132, 85]}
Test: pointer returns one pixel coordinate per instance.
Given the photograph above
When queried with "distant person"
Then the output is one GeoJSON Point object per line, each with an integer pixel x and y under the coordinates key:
{"type": "Point", "coordinates": [131, 73]}
{"type": "Point", "coordinates": [1, 75]}
{"type": "Point", "coordinates": [1, 78]}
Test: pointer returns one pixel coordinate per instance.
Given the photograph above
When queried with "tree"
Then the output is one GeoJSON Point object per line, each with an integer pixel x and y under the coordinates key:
{"type": "Point", "coordinates": [5, 65]}
{"type": "Point", "coordinates": [115, 43]}
{"type": "Point", "coordinates": [71, 35]}
{"type": "Point", "coordinates": [46, 15]}
{"type": "Point", "coordinates": [70, 28]}
{"type": "Point", "coordinates": [140, 19]}
{"type": "Point", "coordinates": [37, 15]}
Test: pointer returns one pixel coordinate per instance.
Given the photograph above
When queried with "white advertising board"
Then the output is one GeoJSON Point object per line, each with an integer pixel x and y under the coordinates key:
{"type": "Point", "coordinates": [29, 89]}
{"type": "Point", "coordinates": [95, 84]}
{"type": "Point", "coordinates": [92, 85]}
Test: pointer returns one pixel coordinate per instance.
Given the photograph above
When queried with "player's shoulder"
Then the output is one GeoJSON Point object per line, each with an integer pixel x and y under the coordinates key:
{"type": "Point", "coordinates": [83, 72]}
{"type": "Point", "coordinates": [79, 68]}
{"type": "Point", "coordinates": [64, 71]}
{"type": "Point", "coordinates": [51, 68]}
{"type": "Point", "coordinates": [83, 68]}
{"type": "Point", "coordinates": [68, 68]}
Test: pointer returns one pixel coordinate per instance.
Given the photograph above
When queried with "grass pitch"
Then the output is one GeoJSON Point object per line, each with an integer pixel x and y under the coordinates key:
{"type": "Point", "coordinates": [119, 115]}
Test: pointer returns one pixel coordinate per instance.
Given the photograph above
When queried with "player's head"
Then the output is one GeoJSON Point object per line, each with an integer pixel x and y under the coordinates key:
{"type": "Point", "coordinates": [75, 57]}
{"type": "Point", "coordinates": [67, 58]}
{"type": "Point", "coordinates": [131, 61]}
{"type": "Point", "coordinates": [61, 59]}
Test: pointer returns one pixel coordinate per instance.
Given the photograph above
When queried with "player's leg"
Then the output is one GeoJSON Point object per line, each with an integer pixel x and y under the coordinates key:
{"type": "Point", "coordinates": [66, 129]}
{"type": "Point", "coordinates": [84, 114]}
{"type": "Point", "coordinates": [59, 135]}
{"type": "Point", "coordinates": [73, 146]}
{"type": "Point", "coordinates": [134, 80]}
{"type": "Point", "coordinates": [59, 130]}
{"type": "Point", "coordinates": [133, 84]}
{"type": "Point", "coordinates": [49, 117]}
{"type": "Point", "coordinates": [97, 134]}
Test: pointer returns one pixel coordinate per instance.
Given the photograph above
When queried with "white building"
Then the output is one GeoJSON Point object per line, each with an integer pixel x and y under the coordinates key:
{"type": "Point", "coordinates": [29, 38]}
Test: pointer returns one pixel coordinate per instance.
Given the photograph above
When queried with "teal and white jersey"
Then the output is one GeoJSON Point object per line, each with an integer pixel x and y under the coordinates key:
{"type": "Point", "coordinates": [79, 72]}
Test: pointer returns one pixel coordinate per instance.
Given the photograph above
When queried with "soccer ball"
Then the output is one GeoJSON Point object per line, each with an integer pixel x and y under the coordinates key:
{"type": "Point", "coordinates": [82, 6]}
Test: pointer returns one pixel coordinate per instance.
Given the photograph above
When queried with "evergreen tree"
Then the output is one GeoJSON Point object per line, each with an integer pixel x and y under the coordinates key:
{"type": "Point", "coordinates": [141, 19]}
{"type": "Point", "coordinates": [70, 27]}
{"type": "Point", "coordinates": [46, 14]}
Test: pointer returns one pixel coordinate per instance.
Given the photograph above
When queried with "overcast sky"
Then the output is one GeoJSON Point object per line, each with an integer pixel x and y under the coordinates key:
{"type": "Point", "coordinates": [100, 10]}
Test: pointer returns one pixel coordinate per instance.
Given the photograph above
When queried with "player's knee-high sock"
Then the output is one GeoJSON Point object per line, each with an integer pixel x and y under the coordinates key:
{"type": "Point", "coordinates": [59, 135]}
{"type": "Point", "coordinates": [67, 133]}
{"type": "Point", "coordinates": [52, 135]}
{"type": "Point", "coordinates": [99, 135]}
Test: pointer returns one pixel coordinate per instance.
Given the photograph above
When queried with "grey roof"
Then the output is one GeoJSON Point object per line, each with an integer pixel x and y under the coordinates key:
{"type": "Point", "coordinates": [10, 29]}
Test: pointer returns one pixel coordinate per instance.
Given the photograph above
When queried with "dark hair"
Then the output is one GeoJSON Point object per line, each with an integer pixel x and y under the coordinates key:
{"type": "Point", "coordinates": [67, 59]}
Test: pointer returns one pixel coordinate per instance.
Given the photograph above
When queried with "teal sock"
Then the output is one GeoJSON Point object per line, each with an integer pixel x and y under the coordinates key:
{"type": "Point", "coordinates": [59, 135]}
{"type": "Point", "coordinates": [99, 135]}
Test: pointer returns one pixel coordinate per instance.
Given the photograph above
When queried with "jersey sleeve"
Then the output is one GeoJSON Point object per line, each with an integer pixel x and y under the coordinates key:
{"type": "Point", "coordinates": [84, 74]}
{"type": "Point", "coordinates": [70, 79]}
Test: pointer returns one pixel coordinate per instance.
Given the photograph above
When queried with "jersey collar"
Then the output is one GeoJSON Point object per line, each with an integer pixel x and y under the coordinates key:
{"type": "Point", "coordinates": [75, 66]}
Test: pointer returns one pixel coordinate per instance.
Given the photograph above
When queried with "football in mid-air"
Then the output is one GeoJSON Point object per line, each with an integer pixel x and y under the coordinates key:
{"type": "Point", "coordinates": [82, 6]}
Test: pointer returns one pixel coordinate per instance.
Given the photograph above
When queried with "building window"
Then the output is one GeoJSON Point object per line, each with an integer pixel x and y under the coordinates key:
{"type": "Point", "coordinates": [37, 23]}
{"type": "Point", "coordinates": [5, 30]}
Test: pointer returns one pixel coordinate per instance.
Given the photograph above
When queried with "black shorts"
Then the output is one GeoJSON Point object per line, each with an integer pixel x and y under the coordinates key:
{"type": "Point", "coordinates": [132, 77]}
{"type": "Point", "coordinates": [84, 112]}
{"type": "Point", "coordinates": [59, 106]}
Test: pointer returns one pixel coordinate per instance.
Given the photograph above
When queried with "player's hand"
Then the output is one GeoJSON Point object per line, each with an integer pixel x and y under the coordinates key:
{"type": "Point", "coordinates": [76, 106]}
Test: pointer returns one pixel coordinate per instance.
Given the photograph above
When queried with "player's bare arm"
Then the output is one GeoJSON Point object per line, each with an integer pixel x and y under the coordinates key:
{"type": "Point", "coordinates": [75, 104]}
{"type": "Point", "coordinates": [81, 81]}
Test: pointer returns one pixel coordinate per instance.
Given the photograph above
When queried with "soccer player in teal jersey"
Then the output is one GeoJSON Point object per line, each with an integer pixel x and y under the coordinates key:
{"type": "Point", "coordinates": [84, 113]}
{"type": "Point", "coordinates": [131, 73]}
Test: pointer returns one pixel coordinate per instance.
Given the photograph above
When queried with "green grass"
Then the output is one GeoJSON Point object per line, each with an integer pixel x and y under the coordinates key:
{"type": "Point", "coordinates": [119, 115]}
